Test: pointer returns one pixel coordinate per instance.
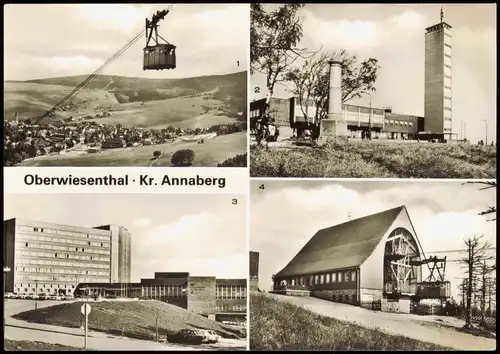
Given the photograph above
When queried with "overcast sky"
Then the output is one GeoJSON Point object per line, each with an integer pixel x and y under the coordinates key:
{"type": "Point", "coordinates": [395, 35]}
{"type": "Point", "coordinates": [201, 234]}
{"type": "Point", "coordinates": [52, 40]}
{"type": "Point", "coordinates": [286, 214]}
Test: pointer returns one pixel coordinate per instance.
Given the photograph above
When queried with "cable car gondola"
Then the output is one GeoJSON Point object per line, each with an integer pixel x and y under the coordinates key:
{"type": "Point", "coordinates": [157, 56]}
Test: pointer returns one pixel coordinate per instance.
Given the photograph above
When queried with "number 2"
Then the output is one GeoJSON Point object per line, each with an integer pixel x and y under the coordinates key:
{"type": "Point", "coordinates": [256, 90]}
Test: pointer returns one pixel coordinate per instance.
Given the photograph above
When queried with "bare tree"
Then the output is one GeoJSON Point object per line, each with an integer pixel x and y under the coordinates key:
{"type": "Point", "coordinates": [274, 39]}
{"type": "Point", "coordinates": [486, 270]}
{"type": "Point", "coordinates": [306, 80]}
{"type": "Point", "coordinates": [311, 80]}
{"type": "Point", "coordinates": [488, 185]}
{"type": "Point", "coordinates": [476, 256]}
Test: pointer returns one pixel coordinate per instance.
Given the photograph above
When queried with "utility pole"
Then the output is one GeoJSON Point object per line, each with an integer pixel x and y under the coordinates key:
{"type": "Point", "coordinates": [464, 285]}
{"type": "Point", "coordinates": [157, 322]}
{"type": "Point", "coordinates": [468, 313]}
{"type": "Point", "coordinates": [36, 295]}
{"type": "Point", "coordinates": [486, 126]}
{"type": "Point", "coordinates": [489, 295]}
{"type": "Point", "coordinates": [483, 292]}
{"type": "Point", "coordinates": [370, 118]}
{"type": "Point", "coordinates": [5, 270]}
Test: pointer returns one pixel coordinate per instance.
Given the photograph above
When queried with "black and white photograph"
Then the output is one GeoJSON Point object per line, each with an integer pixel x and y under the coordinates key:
{"type": "Point", "coordinates": [126, 272]}
{"type": "Point", "coordinates": [373, 90]}
{"type": "Point", "coordinates": [126, 85]}
{"type": "Point", "coordinates": [373, 265]}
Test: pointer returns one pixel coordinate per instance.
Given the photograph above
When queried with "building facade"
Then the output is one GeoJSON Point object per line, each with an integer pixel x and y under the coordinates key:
{"type": "Point", "coordinates": [48, 258]}
{"type": "Point", "coordinates": [373, 262]}
{"type": "Point", "coordinates": [218, 299]}
{"type": "Point", "coordinates": [121, 253]}
{"type": "Point", "coordinates": [381, 122]}
{"type": "Point", "coordinates": [438, 78]}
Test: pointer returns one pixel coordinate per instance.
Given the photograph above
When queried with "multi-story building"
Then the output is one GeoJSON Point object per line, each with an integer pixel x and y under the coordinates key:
{"type": "Point", "coordinates": [218, 299]}
{"type": "Point", "coordinates": [48, 258]}
{"type": "Point", "coordinates": [380, 121]}
{"type": "Point", "coordinates": [438, 78]}
{"type": "Point", "coordinates": [121, 242]}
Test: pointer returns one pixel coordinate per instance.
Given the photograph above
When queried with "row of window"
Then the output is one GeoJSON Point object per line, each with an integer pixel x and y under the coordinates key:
{"type": "Point", "coordinates": [336, 277]}
{"type": "Point", "coordinates": [45, 246]}
{"type": "Point", "coordinates": [64, 240]}
{"type": "Point", "coordinates": [64, 255]}
{"type": "Point", "coordinates": [27, 262]}
{"type": "Point", "coordinates": [162, 290]}
{"type": "Point", "coordinates": [398, 122]}
{"type": "Point", "coordinates": [231, 292]}
{"type": "Point", "coordinates": [63, 232]}
{"type": "Point", "coordinates": [230, 308]}
{"type": "Point", "coordinates": [255, 113]}
{"type": "Point", "coordinates": [45, 286]}
{"type": "Point", "coordinates": [60, 271]}
{"type": "Point", "coordinates": [67, 278]}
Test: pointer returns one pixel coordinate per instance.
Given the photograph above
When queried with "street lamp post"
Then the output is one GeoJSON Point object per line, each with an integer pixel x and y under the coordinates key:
{"type": "Point", "coordinates": [5, 270]}
{"type": "Point", "coordinates": [486, 125]}
{"type": "Point", "coordinates": [370, 118]}
{"type": "Point", "coordinates": [36, 295]}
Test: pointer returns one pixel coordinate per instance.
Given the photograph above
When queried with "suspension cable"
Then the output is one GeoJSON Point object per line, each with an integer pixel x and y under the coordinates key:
{"type": "Point", "coordinates": [92, 76]}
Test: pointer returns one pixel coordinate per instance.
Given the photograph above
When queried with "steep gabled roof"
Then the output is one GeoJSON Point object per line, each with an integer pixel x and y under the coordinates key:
{"type": "Point", "coordinates": [341, 246]}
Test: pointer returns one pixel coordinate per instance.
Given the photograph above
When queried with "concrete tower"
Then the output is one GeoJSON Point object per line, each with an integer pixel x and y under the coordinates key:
{"type": "Point", "coordinates": [438, 74]}
{"type": "Point", "coordinates": [334, 126]}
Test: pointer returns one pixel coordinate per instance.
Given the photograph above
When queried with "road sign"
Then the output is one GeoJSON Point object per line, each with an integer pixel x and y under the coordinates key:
{"type": "Point", "coordinates": [86, 307]}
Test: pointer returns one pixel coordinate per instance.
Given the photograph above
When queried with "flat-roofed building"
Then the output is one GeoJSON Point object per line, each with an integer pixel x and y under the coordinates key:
{"type": "Point", "coordinates": [217, 299]}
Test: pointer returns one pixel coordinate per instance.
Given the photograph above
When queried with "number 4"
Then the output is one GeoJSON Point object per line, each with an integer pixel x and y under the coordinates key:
{"type": "Point", "coordinates": [262, 186]}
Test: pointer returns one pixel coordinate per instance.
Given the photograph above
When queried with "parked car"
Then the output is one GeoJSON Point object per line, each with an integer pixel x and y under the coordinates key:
{"type": "Point", "coordinates": [190, 336]}
{"type": "Point", "coordinates": [213, 335]}
{"type": "Point", "coordinates": [43, 296]}
{"type": "Point", "coordinates": [9, 296]}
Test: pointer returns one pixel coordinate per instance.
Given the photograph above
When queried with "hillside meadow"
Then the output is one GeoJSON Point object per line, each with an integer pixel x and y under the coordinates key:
{"type": "Point", "coordinates": [375, 160]}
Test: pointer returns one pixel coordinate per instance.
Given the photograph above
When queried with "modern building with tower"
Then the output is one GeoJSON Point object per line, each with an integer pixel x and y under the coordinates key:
{"type": "Point", "coordinates": [48, 258]}
{"type": "Point", "coordinates": [292, 116]}
{"type": "Point", "coordinates": [374, 262]}
{"type": "Point", "coordinates": [438, 78]}
{"type": "Point", "coordinates": [217, 299]}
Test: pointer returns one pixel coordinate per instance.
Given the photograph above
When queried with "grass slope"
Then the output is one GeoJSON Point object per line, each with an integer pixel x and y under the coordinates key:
{"type": "Point", "coordinates": [275, 325]}
{"type": "Point", "coordinates": [209, 154]}
{"type": "Point", "coordinates": [135, 319]}
{"type": "Point", "coordinates": [376, 160]}
{"type": "Point", "coordinates": [22, 345]}
{"type": "Point", "coordinates": [35, 97]}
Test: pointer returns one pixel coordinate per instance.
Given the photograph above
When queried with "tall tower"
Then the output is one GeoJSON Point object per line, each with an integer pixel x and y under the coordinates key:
{"type": "Point", "coordinates": [438, 78]}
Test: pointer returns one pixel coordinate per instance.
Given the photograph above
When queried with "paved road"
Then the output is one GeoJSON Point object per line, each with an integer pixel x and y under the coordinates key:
{"type": "Point", "coordinates": [431, 329]}
{"type": "Point", "coordinates": [74, 337]}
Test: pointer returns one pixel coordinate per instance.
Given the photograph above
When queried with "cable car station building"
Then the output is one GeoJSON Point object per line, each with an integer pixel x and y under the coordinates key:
{"type": "Point", "coordinates": [373, 262]}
